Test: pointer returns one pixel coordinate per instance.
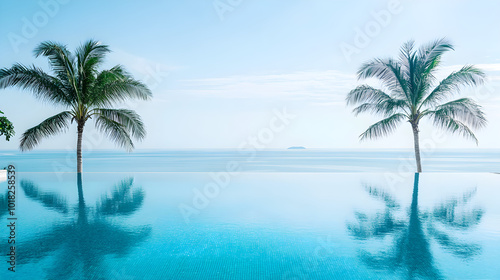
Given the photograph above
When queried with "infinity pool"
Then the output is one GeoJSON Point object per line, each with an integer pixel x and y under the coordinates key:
{"type": "Point", "coordinates": [254, 226]}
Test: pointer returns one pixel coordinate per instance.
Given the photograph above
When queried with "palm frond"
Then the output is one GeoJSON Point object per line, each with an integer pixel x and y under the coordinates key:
{"type": "Point", "coordinates": [116, 85]}
{"type": "Point", "coordinates": [34, 79]}
{"type": "Point", "coordinates": [89, 56]}
{"type": "Point", "coordinates": [465, 110]}
{"type": "Point", "coordinates": [48, 127]}
{"type": "Point", "coordinates": [129, 119]}
{"type": "Point", "coordinates": [406, 54]}
{"type": "Point", "coordinates": [411, 66]}
{"type": "Point", "coordinates": [384, 108]}
{"type": "Point", "coordinates": [442, 120]}
{"type": "Point", "coordinates": [61, 61]}
{"type": "Point", "coordinates": [426, 63]}
{"type": "Point", "coordinates": [383, 127]}
{"type": "Point", "coordinates": [366, 93]}
{"type": "Point", "coordinates": [466, 76]}
{"type": "Point", "coordinates": [389, 72]}
{"type": "Point", "coordinates": [116, 132]}
{"type": "Point", "coordinates": [432, 52]}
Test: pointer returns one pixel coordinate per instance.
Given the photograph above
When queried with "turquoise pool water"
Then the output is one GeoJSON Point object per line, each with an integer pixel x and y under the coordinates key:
{"type": "Point", "coordinates": [254, 225]}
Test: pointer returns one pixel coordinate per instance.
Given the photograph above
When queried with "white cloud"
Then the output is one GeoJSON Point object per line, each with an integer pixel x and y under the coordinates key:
{"type": "Point", "coordinates": [315, 85]}
{"type": "Point", "coordinates": [493, 67]}
{"type": "Point", "coordinates": [325, 88]}
{"type": "Point", "coordinates": [488, 68]}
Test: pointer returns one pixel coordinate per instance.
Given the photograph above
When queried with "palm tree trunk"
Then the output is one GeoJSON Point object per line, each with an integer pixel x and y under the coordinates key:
{"type": "Point", "coordinates": [417, 147]}
{"type": "Point", "coordinates": [79, 147]}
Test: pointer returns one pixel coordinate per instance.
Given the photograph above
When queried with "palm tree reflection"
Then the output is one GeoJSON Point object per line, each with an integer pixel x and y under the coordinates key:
{"type": "Point", "coordinates": [4, 204]}
{"type": "Point", "coordinates": [410, 252]}
{"type": "Point", "coordinates": [81, 244]}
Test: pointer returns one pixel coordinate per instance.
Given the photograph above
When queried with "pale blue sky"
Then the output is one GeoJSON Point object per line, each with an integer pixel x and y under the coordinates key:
{"type": "Point", "coordinates": [217, 76]}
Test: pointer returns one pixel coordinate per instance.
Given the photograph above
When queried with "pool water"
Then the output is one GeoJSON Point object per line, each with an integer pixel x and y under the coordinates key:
{"type": "Point", "coordinates": [254, 225]}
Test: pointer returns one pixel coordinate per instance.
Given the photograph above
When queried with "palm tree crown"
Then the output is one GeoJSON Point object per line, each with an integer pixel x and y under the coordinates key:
{"type": "Point", "coordinates": [86, 92]}
{"type": "Point", "coordinates": [411, 92]}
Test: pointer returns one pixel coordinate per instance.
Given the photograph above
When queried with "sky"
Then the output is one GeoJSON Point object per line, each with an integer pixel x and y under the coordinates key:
{"type": "Point", "coordinates": [236, 73]}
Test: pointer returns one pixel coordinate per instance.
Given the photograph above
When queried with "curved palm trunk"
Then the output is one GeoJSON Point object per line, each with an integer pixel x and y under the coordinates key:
{"type": "Point", "coordinates": [417, 147]}
{"type": "Point", "coordinates": [79, 147]}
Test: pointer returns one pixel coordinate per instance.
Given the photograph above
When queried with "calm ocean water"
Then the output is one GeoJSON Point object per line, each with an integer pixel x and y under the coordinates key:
{"type": "Point", "coordinates": [261, 161]}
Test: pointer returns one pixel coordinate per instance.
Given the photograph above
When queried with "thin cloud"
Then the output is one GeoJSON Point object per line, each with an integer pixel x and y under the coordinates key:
{"type": "Point", "coordinates": [152, 73]}
{"type": "Point", "coordinates": [314, 85]}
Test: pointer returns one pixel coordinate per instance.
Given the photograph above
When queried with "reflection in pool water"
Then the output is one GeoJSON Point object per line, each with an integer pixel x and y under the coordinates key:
{"type": "Point", "coordinates": [4, 202]}
{"type": "Point", "coordinates": [261, 226]}
{"type": "Point", "coordinates": [79, 246]}
{"type": "Point", "coordinates": [410, 252]}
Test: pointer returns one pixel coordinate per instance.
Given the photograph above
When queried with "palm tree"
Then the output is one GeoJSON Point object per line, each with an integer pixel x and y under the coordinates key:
{"type": "Point", "coordinates": [412, 93]}
{"type": "Point", "coordinates": [83, 90]}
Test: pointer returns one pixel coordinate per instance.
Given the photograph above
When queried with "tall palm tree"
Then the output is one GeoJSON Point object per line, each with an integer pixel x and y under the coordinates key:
{"type": "Point", "coordinates": [412, 92]}
{"type": "Point", "coordinates": [83, 90]}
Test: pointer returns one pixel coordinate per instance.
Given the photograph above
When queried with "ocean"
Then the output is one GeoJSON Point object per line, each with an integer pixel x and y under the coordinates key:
{"type": "Point", "coordinates": [315, 160]}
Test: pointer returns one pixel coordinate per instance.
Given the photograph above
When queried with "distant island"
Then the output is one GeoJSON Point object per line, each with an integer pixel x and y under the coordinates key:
{"type": "Point", "coordinates": [297, 148]}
